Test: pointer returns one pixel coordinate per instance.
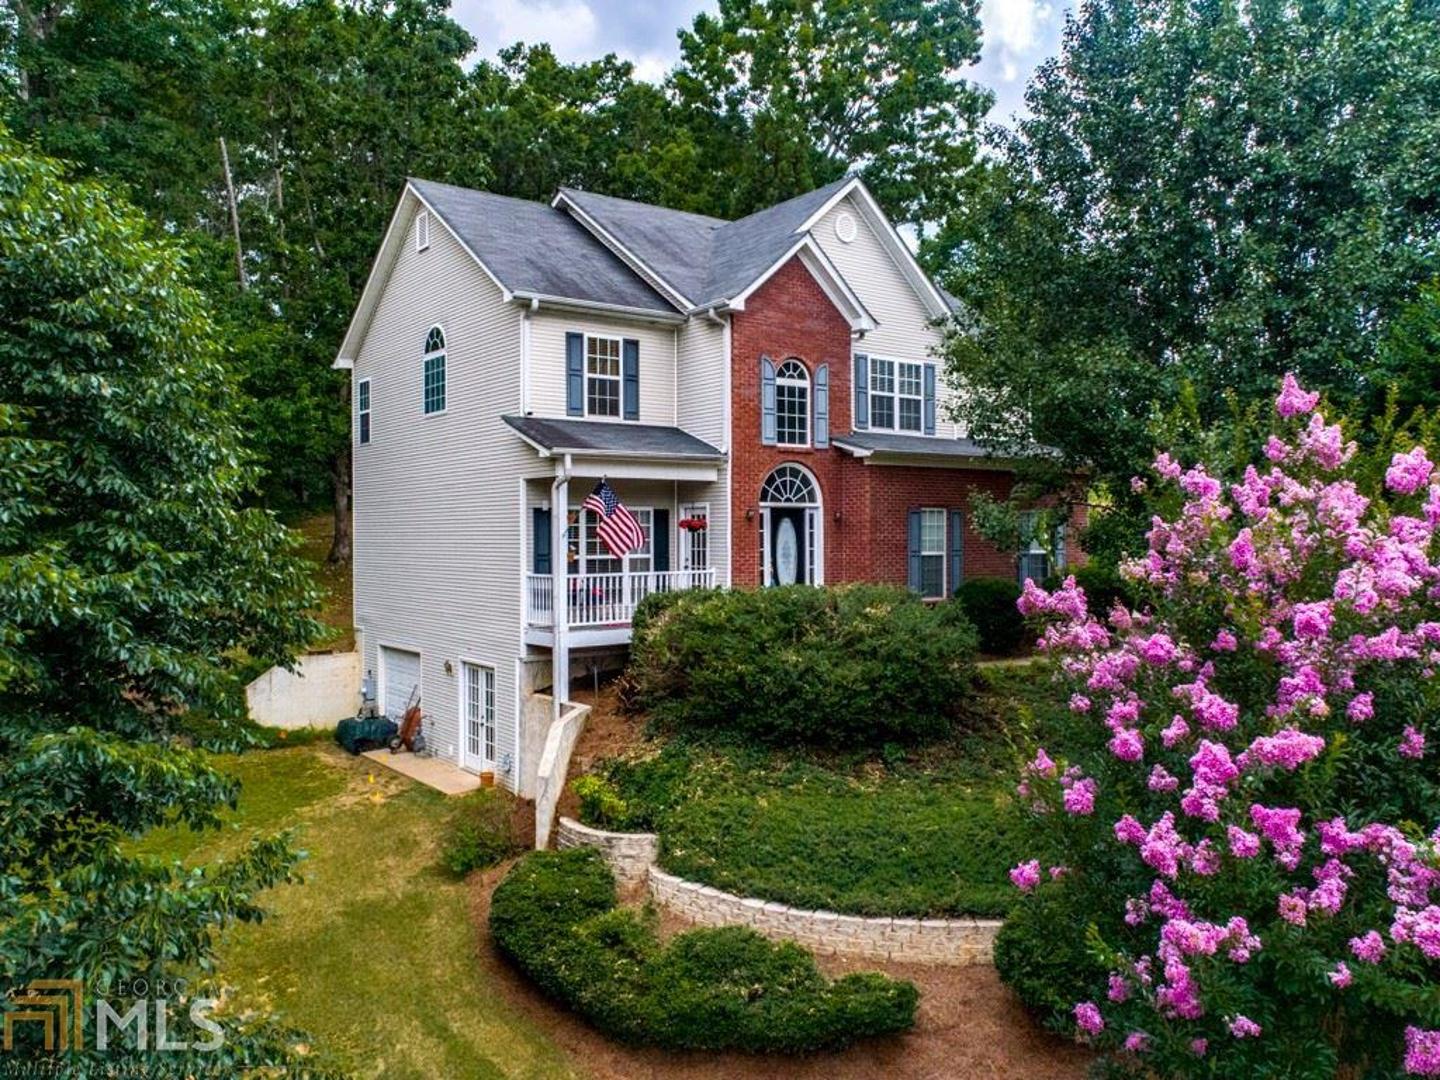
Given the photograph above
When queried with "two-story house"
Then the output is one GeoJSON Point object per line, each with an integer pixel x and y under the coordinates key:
{"type": "Point", "coordinates": [763, 395]}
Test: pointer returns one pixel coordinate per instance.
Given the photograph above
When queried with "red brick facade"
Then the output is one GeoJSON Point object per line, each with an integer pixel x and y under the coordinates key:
{"type": "Point", "coordinates": [864, 507]}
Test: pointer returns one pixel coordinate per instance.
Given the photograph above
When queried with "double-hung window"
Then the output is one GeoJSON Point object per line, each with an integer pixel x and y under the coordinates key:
{"type": "Point", "coordinates": [602, 376]}
{"type": "Point", "coordinates": [932, 553]}
{"type": "Point", "coordinates": [593, 557]}
{"type": "Point", "coordinates": [897, 395]}
{"type": "Point", "coordinates": [792, 404]}
{"type": "Point", "coordinates": [362, 402]}
{"type": "Point", "coordinates": [434, 389]}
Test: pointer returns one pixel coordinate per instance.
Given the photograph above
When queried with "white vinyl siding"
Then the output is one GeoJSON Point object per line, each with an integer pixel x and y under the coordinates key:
{"type": "Point", "coordinates": [437, 540]}
{"type": "Point", "coordinates": [545, 391]}
{"type": "Point", "coordinates": [904, 332]}
{"type": "Point", "coordinates": [701, 407]}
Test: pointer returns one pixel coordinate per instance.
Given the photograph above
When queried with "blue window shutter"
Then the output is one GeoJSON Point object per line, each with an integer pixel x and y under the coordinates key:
{"type": "Point", "coordinates": [822, 405]}
{"type": "Point", "coordinates": [630, 378]}
{"type": "Point", "coordinates": [914, 553]}
{"type": "Point", "coordinates": [767, 401]}
{"type": "Point", "coordinates": [861, 420]}
{"type": "Point", "coordinates": [957, 549]}
{"type": "Point", "coordinates": [574, 374]}
{"type": "Point", "coordinates": [540, 539]}
{"type": "Point", "coordinates": [929, 399]}
{"type": "Point", "coordinates": [660, 538]}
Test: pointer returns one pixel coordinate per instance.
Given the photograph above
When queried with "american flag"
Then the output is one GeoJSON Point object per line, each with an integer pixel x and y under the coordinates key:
{"type": "Point", "coordinates": [617, 528]}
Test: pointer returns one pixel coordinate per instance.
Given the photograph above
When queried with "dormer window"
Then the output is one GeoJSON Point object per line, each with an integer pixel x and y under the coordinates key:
{"type": "Point", "coordinates": [422, 230]}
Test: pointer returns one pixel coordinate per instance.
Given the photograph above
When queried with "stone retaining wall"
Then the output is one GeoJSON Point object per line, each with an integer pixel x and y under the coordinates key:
{"type": "Point", "coordinates": [957, 941]}
{"type": "Point", "coordinates": [630, 855]}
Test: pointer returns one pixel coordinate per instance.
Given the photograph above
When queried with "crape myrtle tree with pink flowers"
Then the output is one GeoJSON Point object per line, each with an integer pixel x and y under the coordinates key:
{"type": "Point", "coordinates": [1243, 823]}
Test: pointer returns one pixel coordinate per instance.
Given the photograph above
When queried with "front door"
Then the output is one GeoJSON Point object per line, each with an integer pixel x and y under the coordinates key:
{"type": "Point", "coordinates": [788, 557]}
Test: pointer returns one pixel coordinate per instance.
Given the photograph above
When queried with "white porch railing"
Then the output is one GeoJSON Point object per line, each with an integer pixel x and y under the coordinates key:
{"type": "Point", "coordinates": [605, 599]}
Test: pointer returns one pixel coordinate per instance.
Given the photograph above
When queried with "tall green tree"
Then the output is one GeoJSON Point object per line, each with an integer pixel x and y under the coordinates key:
{"type": "Point", "coordinates": [132, 588]}
{"type": "Point", "coordinates": [786, 95]}
{"type": "Point", "coordinates": [1206, 193]}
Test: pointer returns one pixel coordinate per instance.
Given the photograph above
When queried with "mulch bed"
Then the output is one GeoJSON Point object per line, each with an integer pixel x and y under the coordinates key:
{"type": "Point", "coordinates": [969, 1025]}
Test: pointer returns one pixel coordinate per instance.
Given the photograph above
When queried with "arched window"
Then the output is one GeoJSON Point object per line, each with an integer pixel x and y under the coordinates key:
{"type": "Point", "coordinates": [792, 404]}
{"type": "Point", "coordinates": [789, 485]}
{"type": "Point", "coordinates": [435, 370]}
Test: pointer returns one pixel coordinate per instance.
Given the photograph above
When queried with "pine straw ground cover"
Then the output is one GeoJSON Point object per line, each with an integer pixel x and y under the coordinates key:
{"type": "Point", "coordinates": [927, 832]}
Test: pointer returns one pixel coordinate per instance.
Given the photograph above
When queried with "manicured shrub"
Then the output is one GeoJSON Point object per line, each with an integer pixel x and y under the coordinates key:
{"type": "Point", "coordinates": [844, 666]}
{"type": "Point", "coordinates": [1245, 807]}
{"type": "Point", "coordinates": [990, 604]}
{"type": "Point", "coordinates": [1041, 954]}
{"type": "Point", "coordinates": [555, 917]}
{"type": "Point", "coordinates": [480, 833]}
{"type": "Point", "coordinates": [600, 804]}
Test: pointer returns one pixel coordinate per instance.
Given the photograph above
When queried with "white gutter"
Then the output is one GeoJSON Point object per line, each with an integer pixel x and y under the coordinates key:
{"type": "Point", "coordinates": [647, 314]}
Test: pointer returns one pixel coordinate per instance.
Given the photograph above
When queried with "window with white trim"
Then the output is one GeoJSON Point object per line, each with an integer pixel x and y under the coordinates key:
{"type": "Point", "coordinates": [362, 402]}
{"type": "Point", "coordinates": [792, 404]}
{"type": "Point", "coordinates": [897, 395]}
{"type": "Point", "coordinates": [932, 553]}
{"type": "Point", "coordinates": [434, 391]}
{"type": "Point", "coordinates": [479, 712]}
{"type": "Point", "coordinates": [422, 230]}
{"type": "Point", "coordinates": [594, 557]}
{"type": "Point", "coordinates": [602, 376]}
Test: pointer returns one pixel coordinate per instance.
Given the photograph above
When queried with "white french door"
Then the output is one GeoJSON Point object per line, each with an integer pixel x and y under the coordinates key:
{"type": "Point", "coordinates": [477, 691]}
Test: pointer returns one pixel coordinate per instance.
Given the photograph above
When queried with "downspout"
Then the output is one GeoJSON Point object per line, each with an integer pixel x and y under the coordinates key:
{"type": "Point", "coordinates": [559, 581]}
{"type": "Point", "coordinates": [530, 310]}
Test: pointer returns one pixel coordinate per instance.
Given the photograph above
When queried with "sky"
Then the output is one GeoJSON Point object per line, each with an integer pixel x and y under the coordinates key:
{"type": "Point", "coordinates": [1018, 35]}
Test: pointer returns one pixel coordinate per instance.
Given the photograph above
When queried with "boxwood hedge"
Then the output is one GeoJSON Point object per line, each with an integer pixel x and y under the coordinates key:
{"type": "Point", "coordinates": [555, 917]}
{"type": "Point", "coordinates": [843, 666]}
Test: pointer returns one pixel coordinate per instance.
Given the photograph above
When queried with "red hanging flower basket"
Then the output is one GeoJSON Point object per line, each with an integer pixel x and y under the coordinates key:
{"type": "Point", "coordinates": [693, 524]}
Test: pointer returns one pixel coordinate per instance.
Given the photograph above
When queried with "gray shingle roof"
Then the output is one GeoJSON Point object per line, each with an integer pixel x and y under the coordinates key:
{"type": "Point", "coordinates": [889, 443]}
{"type": "Point", "coordinates": [533, 248]}
{"type": "Point", "coordinates": [707, 259]}
{"type": "Point", "coordinates": [599, 437]}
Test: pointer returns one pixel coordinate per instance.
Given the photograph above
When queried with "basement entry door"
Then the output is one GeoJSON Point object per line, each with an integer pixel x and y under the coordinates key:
{"type": "Point", "coordinates": [400, 676]}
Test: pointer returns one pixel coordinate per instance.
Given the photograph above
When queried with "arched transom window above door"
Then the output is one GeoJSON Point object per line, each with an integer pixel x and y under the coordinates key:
{"type": "Point", "coordinates": [789, 485]}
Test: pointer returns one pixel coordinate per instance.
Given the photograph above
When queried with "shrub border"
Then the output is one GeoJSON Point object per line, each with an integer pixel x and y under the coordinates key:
{"type": "Point", "coordinates": [956, 942]}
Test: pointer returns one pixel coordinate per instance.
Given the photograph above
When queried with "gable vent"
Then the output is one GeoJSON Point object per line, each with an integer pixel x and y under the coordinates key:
{"type": "Point", "coordinates": [422, 230]}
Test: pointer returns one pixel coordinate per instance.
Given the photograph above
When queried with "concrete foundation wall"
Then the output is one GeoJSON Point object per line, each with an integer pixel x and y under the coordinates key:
{"type": "Point", "coordinates": [322, 690]}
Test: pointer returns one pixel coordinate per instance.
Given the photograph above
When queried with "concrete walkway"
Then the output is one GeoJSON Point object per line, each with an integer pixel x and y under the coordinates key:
{"type": "Point", "coordinates": [444, 776]}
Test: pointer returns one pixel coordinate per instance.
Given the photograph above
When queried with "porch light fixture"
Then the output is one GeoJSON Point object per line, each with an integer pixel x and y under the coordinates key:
{"type": "Point", "coordinates": [750, 514]}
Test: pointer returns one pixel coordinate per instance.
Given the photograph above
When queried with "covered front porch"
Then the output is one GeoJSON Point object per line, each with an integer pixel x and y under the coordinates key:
{"type": "Point", "coordinates": [577, 592]}
{"type": "Point", "coordinates": [601, 605]}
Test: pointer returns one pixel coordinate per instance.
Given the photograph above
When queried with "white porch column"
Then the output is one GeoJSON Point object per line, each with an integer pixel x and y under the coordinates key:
{"type": "Point", "coordinates": [560, 585]}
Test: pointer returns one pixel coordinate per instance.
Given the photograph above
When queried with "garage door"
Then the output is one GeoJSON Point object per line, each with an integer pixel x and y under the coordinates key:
{"type": "Point", "coordinates": [400, 676]}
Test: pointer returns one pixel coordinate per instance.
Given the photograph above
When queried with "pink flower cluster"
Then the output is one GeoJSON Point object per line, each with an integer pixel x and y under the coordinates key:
{"type": "Point", "coordinates": [1328, 592]}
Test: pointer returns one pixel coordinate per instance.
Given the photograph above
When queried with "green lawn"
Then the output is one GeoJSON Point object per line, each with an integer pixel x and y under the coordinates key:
{"type": "Point", "coordinates": [375, 954]}
{"type": "Point", "coordinates": [920, 833]}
